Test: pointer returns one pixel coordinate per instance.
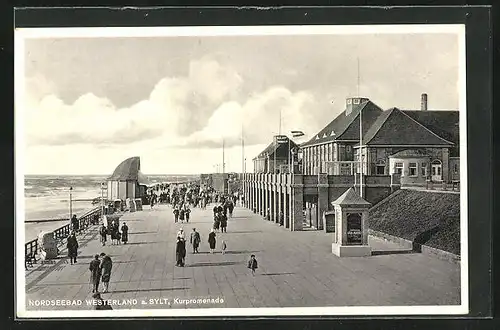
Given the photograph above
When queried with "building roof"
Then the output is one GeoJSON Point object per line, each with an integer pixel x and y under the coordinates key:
{"type": "Point", "coordinates": [281, 150]}
{"type": "Point", "coordinates": [351, 197]}
{"type": "Point", "coordinates": [442, 122]}
{"type": "Point", "coordinates": [129, 170]}
{"type": "Point", "coordinates": [346, 125]}
{"type": "Point", "coordinates": [396, 127]}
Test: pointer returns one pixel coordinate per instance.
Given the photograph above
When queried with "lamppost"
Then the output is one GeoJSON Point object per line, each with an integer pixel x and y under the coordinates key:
{"type": "Point", "coordinates": [102, 202]}
{"type": "Point", "coordinates": [70, 203]}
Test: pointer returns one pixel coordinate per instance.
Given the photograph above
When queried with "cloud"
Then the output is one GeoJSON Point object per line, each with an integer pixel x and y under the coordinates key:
{"type": "Point", "coordinates": [259, 117]}
{"type": "Point", "coordinates": [198, 110]}
{"type": "Point", "coordinates": [176, 108]}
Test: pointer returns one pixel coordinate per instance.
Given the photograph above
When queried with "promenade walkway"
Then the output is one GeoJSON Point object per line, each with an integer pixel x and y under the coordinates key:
{"type": "Point", "coordinates": [296, 269]}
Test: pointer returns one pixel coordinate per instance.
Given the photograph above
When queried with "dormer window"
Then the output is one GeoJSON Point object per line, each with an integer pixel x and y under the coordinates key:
{"type": "Point", "coordinates": [349, 101]}
{"type": "Point", "coordinates": [356, 101]}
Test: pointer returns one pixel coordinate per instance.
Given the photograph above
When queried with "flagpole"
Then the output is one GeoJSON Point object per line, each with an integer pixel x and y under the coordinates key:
{"type": "Point", "coordinates": [274, 155]}
{"type": "Point", "coordinates": [289, 152]}
{"type": "Point", "coordinates": [223, 158]}
{"type": "Point", "coordinates": [242, 150]}
{"type": "Point", "coordinates": [360, 143]}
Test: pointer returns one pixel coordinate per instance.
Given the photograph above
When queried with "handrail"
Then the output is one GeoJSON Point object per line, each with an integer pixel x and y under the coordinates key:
{"type": "Point", "coordinates": [86, 220]}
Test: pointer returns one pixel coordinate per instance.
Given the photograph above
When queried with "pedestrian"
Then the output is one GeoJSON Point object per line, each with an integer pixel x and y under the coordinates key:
{"type": "Point", "coordinates": [180, 252]}
{"type": "Point", "coordinates": [99, 303]}
{"type": "Point", "coordinates": [72, 246]}
{"type": "Point", "coordinates": [224, 208]}
{"type": "Point", "coordinates": [176, 213]}
{"type": "Point", "coordinates": [112, 232]}
{"type": "Point", "coordinates": [195, 240]}
{"type": "Point", "coordinates": [95, 273]}
{"type": "Point", "coordinates": [212, 240]}
{"type": "Point", "coordinates": [223, 223]}
{"type": "Point", "coordinates": [223, 247]}
{"type": "Point", "coordinates": [282, 219]}
{"type": "Point", "coordinates": [75, 226]}
{"type": "Point", "coordinates": [188, 211]}
{"type": "Point", "coordinates": [182, 213]}
{"type": "Point", "coordinates": [103, 232]}
{"type": "Point", "coordinates": [252, 263]}
{"type": "Point", "coordinates": [105, 267]}
{"type": "Point", "coordinates": [181, 234]}
{"type": "Point", "coordinates": [217, 221]}
{"type": "Point", "coordinates": [124, 233]}
{"type": "Point", "coordinates": [231, 208]}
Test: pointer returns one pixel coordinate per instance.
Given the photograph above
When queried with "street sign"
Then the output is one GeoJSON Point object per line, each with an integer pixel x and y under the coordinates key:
{"type": "Point", "coordinates": [281, 139]}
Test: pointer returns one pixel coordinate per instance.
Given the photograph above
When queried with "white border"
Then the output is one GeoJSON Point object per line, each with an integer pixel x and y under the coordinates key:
{"type": "Point", "coordinates": [113, 32]}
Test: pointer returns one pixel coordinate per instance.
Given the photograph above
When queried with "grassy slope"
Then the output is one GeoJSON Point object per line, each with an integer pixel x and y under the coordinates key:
{"type": "Point", "coordinates": [410, 213]}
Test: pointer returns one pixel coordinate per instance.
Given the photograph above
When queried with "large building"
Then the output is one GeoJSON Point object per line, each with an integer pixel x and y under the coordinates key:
{"type": "Point", "coordinates": [420, 145]}
{"type": "Point", "coordinates": [275, 158]}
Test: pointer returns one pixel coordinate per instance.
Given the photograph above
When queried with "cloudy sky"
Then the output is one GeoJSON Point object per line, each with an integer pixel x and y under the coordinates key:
{"type": "Point", "coordinates": [89, 103]}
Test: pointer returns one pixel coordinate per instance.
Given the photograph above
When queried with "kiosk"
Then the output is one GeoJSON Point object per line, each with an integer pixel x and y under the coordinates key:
{"type": "Point", "coordinates": [350, 238]}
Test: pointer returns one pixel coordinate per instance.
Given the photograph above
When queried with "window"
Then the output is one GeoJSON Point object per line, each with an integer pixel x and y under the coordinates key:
{"type": "Point", "coordinates": [398, 168]}
{"type": "Point", "coordinates": [348, 149]}
{"type": "Point", "coordinates": [345, 169]}
{"type": "Point", "coordinates": [412, 169]}
{"type": "Point", "coordinates": [356, 101]}
{"type": "Point", "coordinates": [380, 167]}
{"type": "Point", "coordinates": [423, 169]}
{"type": "Point", "coordinates": [455, 168]}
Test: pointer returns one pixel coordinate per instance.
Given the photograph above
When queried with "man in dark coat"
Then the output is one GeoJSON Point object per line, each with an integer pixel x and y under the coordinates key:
{"type": "Point", "coordinates": [72, 246]}
{"type": "Point", "coordinates": [187, 211]}
{"type": "Point", "coordinates": [224, 208]}
{"type": "Point", "coordinates": [103, 232]}
{"type": "Point", "coordinates": [195, 240]}
{"type": "Point", "coordinates": [95, 273]}
{"type": "Point", "coordinates": [180, 252]}
{"type": "Point", "coordinates": [182, 213]}
{"type": "Point", "coordinates": [230, 208]}
{"type": "Point", "coordinates": [223, 223]}
{"type": "Point", "coordinates": [105, 267]}
{"type": "Point", "coordinates": [74, 223]}
{"type": "Point", "coordinates": [176, 213]}
{"type": "Point", "coordinates": [124, 233]}
{"type": "Point", "coordinates": [211, 241]}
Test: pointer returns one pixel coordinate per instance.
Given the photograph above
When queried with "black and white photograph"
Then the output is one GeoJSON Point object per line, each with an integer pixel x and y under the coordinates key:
{"type": "Point", "coordinates": [241, 171]}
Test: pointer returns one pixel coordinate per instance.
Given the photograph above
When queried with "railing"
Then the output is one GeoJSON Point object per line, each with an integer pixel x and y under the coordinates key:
{"type": "Point", "coordinates": [86, 220]}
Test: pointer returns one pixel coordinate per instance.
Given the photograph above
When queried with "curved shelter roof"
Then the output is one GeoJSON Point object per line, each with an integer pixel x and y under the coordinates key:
{"type": "Point", "coordinates": [410, 153]}
{"type": "Point", "coordinates": [129, 170]}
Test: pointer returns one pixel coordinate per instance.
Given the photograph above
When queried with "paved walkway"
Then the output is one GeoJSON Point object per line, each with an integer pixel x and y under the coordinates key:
{"type": "Point", "coordinates": [296, 269]}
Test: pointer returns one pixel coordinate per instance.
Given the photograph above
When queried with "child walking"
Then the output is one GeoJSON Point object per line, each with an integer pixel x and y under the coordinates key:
{"type": "Point", "coordinates": [252, 263]}
{"type": "Point", "coordinates": [223, 247]}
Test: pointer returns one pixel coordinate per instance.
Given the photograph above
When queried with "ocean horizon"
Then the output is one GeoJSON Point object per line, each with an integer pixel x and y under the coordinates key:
{"type": "Point", "coordinates": [46, 197]}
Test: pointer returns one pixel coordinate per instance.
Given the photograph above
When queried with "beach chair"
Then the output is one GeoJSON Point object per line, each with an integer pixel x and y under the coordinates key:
{"type": "Point", "coordinates": [29, 259]}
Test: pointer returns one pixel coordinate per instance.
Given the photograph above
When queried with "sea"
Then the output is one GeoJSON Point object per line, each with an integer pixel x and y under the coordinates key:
{"type": "Point", "coordinates": [46, 197]}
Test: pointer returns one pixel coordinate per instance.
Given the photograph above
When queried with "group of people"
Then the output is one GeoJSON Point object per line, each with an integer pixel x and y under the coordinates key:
{"type": "Point", "coordinates": [195, 240]}
{"type": "Point", "coordinates": [113, 230]}
{"type": "Point", "coordinates": [181, 212]}
{"type": "Point", "coordinates": [100, 271]}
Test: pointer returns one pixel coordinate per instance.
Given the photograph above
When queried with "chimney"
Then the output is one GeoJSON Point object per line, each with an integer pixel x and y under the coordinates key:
{"type": "Point", "coordinates": [423, 102]}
